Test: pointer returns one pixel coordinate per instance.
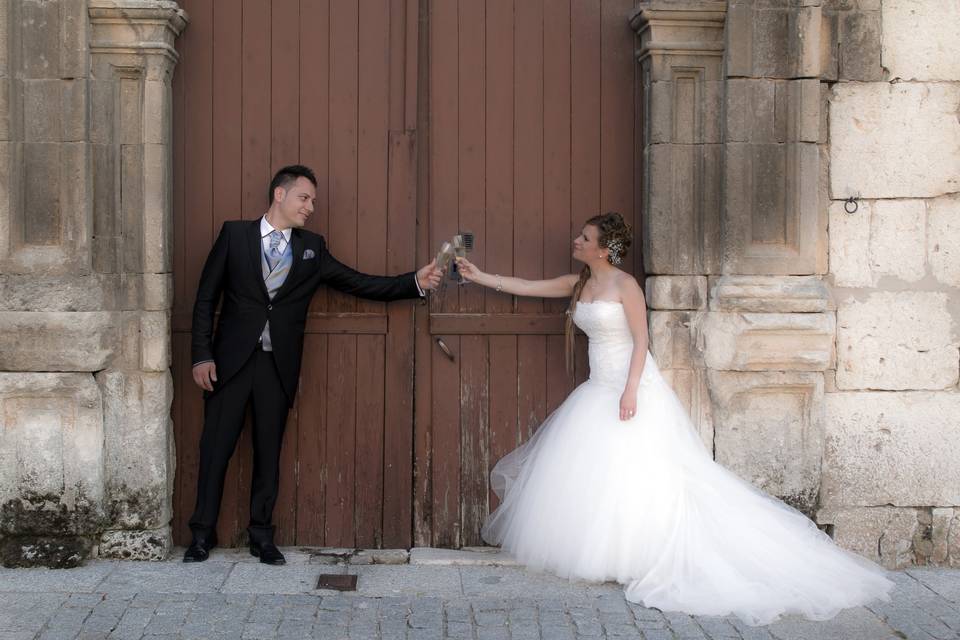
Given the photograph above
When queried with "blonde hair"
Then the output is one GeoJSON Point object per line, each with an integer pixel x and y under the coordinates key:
{"type": "Point", "coordinates": [614, 234]}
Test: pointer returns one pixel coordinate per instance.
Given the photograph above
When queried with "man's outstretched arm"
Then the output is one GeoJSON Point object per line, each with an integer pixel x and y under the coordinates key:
{"type": "Point", "coordinates": [408, 285]}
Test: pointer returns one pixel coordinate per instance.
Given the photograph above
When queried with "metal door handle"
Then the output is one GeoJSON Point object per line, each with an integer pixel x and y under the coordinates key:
{"type": "Point", "coordinates": [446, 350]}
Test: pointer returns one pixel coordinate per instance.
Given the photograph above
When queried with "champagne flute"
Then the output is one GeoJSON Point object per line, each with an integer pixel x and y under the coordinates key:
{"type": "Point", "coordinates": [444, 258]}
{"type": "Point", "coordinates": [444, 255]}
{"type": "Point", "coordinates": [460, 251]}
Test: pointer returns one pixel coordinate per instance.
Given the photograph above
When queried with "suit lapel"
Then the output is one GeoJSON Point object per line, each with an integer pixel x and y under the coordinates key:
{"type": "Point", "coordinates": [255, 244]}
{"type": "Point", "coordinates": [296, 246]}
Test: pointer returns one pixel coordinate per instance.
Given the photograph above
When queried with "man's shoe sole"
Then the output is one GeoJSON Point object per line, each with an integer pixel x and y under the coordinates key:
{"type": "Point", "coordinates": [256, 554]}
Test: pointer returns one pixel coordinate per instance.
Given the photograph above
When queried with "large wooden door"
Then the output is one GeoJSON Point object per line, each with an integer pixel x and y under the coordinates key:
{"type": "Point", "coordinates": [326, 83]}
{"type": "Point", "coordinates": [513, 119]}
{"type": "Point", "coordinates": [533, 125]}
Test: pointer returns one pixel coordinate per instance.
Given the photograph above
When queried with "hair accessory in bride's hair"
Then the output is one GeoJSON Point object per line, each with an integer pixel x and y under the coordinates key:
{"type": "Point", "coordinates": [616, 251]}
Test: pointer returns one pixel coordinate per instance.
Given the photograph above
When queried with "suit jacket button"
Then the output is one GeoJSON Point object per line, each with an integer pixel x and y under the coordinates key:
{"type": "Point", "coordinates": [269, 307]}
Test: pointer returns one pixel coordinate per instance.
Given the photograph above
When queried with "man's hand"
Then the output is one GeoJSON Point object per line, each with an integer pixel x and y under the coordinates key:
{"type": "Point", "coordinates": [429, 277]}
{"type": "Point", "coordinates": [205, 374]}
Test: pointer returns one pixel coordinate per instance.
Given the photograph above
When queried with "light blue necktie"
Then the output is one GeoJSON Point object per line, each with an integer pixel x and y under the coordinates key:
{"type": "Point", "coordinates": [274, 254]}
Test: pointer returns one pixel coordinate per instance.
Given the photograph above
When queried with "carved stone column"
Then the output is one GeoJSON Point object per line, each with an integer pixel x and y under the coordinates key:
{"type": "Point", "coordinates": [132, 60]}
{"type": "Point", "coordinates": [735, 231]}
{"type": "Point", "coordinates": [86, 462]}
{"type": "Point", "coordinates": [681, 62]}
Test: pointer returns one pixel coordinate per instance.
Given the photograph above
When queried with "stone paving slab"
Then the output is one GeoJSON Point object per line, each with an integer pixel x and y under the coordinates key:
{"type": "Point", "coordinates": [231, 598]}
{"type": "Point", "coordinates": [289, 579]}
{"type": "Point", "coordinates": [851, 623]}
{"type": "Point", "coordinates": [462, 557]}
{"type": "Point", "coordinates": [408, 580]}
{"type": "Point", "coordinates": [166, 577]}
{"type": "Point", "coordinates": [942, 582]}
{"type": "Point", "coordinates": [517, 582]}
{"type": "Point", "coordinates": [79, 580]}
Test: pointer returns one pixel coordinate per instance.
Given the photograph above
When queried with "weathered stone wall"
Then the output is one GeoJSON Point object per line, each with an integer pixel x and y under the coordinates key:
{"type": "Point", "coordinates": [85, 278]}
{"type": "Point", "coordinates": [741, 320]}
{"type": "Point", "coordinates": [891, 468]}
{"type": "Point", "coordinates": [816, 350]}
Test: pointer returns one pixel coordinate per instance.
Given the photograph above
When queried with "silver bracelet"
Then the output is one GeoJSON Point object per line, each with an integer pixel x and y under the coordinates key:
{"type": "Point", "coordinates": [499, 283]}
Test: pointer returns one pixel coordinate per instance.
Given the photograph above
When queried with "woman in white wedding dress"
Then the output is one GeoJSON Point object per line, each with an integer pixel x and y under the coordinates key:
{"type": "Point", "coordinates": [617, 485]}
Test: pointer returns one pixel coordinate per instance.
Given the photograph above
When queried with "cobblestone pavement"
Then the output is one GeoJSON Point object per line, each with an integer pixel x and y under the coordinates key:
{"type": "Point", "coordinates": [233, 597]}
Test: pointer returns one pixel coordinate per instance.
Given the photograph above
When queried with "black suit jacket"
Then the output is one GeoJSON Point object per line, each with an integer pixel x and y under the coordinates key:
{"type": "Point", "coordinates": [233, 270]}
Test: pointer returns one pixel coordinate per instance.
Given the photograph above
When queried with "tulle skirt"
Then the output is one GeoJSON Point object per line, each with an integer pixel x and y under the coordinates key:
{"type": "Point", "coordinates": [643, 503]}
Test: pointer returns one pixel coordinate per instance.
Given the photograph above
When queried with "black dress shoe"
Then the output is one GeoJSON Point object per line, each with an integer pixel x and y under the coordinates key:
{"type": "Point", "coordinates": [268, 553]}
{"type": "Point", "coordinates": [199, 549]}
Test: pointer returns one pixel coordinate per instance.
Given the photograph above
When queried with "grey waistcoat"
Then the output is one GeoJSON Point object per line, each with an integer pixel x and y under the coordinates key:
{"type": "Point", "coordinates": [274, 280]}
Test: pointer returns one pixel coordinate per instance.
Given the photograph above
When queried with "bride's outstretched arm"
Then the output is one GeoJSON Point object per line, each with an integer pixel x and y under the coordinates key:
{"type": "Point", "coordinates": [561, 287]}
{"type": "Point", "coordinates": [636, 309]}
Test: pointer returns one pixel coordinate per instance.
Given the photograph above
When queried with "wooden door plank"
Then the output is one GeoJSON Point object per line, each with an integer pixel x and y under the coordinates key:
{"type": "Point", "coordinates": [198, 202]}
{"type": "Point", "coordinates": [420, 23]}
{"type": "Point", "coordinates": [444, 204]}
{"type": "Point", "coordinates": [255, 116]}
{"type": "Point", "coordinates": [617, 64]}
{"type": "Point", "coordinates": [285, 150]}
{"type": "Point", "coordinates": [557, 224]}
{"type": "Point", "coordinates": [311, 443]}
{"type": "Point", "coordinates": [343, 168]}
{"type": "Point", "coordinates": [474, 381]}
{"type": "Point", "coordinates": [180, 371]}
{"type": "Point", "coordinates": [315, 114]}
{"type": "Point", "coordinates": [179, 266]}
{"type": "Point", "coordinates": [528, 224]}
{"type": "Point", "coordinates": [373, 112]}
{"type": "Point", "coordinates": [227, 108]}
{"type": "Point", "coordinates": [181, 504]}
{"type": "Point", "coordinates": [198, 196]}
{"type": "Point", "coordinates": [585, 93]}
{"type": "Point", "coordinates": [369, 455]}
{"type": "Point", "coordinates": [372, 152]}
{"type": "Point", "coordinates": [499, 63]}
{"type": "Point", "coordinates": [341, 440]}
{"type": "Point", "coordinates": [399, 345]}
{"type": "Point", "coordinates": [255, 180]}
{"type": "Point", "coordinates": [585, 112]}
{"type": "Point", "coordinates": [343, 236]}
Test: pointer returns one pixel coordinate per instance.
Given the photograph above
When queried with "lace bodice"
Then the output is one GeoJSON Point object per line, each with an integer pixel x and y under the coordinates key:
{"type": "Point", "coordinates": [611, 343]}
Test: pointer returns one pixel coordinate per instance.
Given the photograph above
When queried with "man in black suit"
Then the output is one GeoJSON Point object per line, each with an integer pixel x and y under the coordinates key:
{"type": "Point", "coordinates": [266, 272]}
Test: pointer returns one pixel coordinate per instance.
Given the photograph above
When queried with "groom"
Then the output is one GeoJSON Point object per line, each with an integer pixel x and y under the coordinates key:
{"type": "Point", "coordinates": [266, 271]}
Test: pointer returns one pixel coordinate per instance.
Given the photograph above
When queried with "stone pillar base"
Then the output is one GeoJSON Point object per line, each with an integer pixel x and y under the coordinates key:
{"type": "Point", "coordinates": [145, 544]}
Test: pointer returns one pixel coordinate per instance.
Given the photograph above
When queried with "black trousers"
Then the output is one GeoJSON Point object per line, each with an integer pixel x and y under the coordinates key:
{"type": "Point", "coordinates": [257, 384]}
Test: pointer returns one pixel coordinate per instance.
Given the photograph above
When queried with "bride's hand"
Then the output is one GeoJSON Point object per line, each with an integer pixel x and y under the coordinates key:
{"type": "Point", "coordinates": [628, 405]}
{"type": "Point", "coordinates": [468, 270]}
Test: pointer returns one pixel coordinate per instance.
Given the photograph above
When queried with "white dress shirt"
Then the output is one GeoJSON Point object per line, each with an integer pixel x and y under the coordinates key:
{"type": "Point", "coordinates": [265, 230]}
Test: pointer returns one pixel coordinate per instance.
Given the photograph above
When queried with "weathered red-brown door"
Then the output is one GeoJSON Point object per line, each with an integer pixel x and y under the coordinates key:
{"type": "Point", "coordinates": [513, 119]}
{"type": "Point", "coordinates": [263, 84]}
{"type": "Point", "coordinates": [533, 124]}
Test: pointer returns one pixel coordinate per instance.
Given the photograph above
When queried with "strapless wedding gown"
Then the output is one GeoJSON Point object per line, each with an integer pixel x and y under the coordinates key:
{"type": "Point", "coordinates": [643, 503]}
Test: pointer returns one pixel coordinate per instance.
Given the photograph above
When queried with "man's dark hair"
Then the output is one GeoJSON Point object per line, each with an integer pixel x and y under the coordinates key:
{"type": "Point", "coordinates": [288, 175]}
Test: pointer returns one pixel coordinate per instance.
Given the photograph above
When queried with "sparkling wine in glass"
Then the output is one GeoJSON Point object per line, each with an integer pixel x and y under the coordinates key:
{"type": "Point", "coordinates": [460, 251]}
{"type": "Point", "coordinates": [444, 256]}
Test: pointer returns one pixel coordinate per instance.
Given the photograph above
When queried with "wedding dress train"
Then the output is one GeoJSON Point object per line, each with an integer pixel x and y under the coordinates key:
{"type": "Point", "coordinates": [643, 503]}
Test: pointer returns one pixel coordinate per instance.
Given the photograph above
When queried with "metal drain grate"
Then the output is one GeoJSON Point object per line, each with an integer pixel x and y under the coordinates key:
{"type": "Point", "coordinates": [337, 581]}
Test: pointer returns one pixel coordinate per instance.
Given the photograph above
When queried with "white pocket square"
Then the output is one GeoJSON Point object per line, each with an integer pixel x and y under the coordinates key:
{"type": "Point", "coordinates": [309, 254]}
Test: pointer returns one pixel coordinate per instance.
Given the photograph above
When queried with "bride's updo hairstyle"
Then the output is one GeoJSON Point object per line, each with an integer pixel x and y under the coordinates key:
{"type": "Point", "coordinates": [615, 235]}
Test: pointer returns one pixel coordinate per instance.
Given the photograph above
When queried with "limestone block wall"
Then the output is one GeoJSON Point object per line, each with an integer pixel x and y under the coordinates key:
{"type": "Point", "coordinates": [891, 466]}
{"type": "Point", "coordinates": [85, 279]}
{"type": "Point", "coordinates": [817, 350]}
{"type": "Point", "coordinates": [735, 225]}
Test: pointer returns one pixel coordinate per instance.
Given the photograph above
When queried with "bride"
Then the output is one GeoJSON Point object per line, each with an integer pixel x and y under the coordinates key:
{"type": "Point", "coordinates": [617, 485]}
